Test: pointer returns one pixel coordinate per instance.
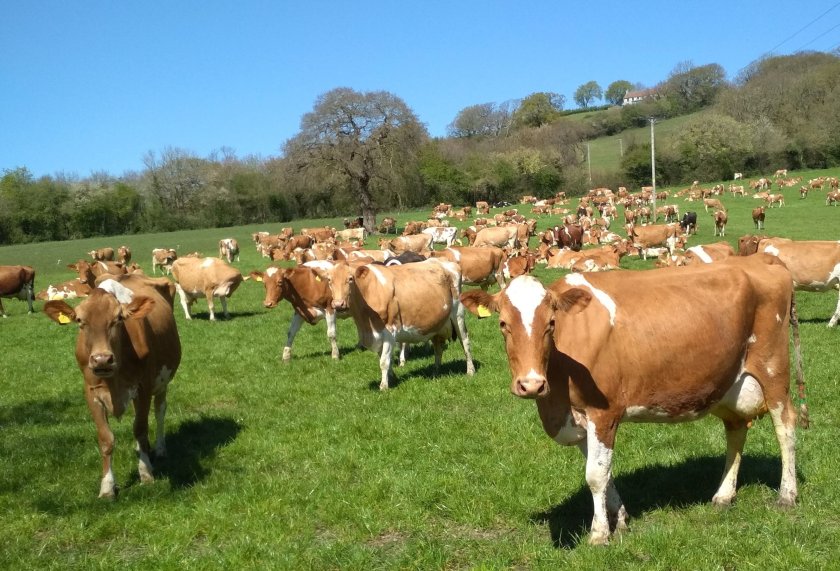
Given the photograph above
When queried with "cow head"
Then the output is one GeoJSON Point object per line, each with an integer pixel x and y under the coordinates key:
{"type": "Point", "coordinates": [102, 319]}
{"type": "Point", "coordinates": [527, 316]}
{"type": "Point", "coordinates": [272, 279]}
{"type": "Point", "coordinates": [748, 245]}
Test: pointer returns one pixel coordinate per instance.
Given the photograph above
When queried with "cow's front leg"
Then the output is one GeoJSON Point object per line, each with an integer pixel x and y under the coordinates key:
{"type": "Point", "coordinates": [836, 316]}
{"type": "Point", "coordinates": [616, 512]}
{"type": "Point", "coordinates": [142, 404]}
{"type": "Point", "coordinates": [598, 477]}
{"type": "Point", "coordinates": [160, 416]}
{"type": "Point", "coordinates": [105, 438]}
{"type": "Point", "coordinates": [736, 435]}
{"type": "Point", "coordinates": [185, 303]}
{"type": "Point", "coordinates": [297, 321]}
{"type": "Point", "coordinates": [330, 317]}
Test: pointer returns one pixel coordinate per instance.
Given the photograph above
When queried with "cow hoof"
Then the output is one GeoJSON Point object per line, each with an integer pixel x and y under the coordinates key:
{"type": "Point", "coordinates": [287, 354]}
{"type": "Point", "coordinates": [722, 503]}
{"type": "Point", "coordinates": [600, 538]}
{"type": "Point", "coordinates": [383, 386]}
{"type": "Point", "coordinates": [112, 495]}
{"type": "Point", "coordinates": [786, 502]}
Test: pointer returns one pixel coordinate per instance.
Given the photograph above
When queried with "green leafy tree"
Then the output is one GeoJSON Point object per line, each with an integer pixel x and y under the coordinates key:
{"type": "Point", "coordinates": [367, 141]}
{"type": "Point", "coordinates": [539, 109]}
{"type": "Point", "coordinates": [587, 93]}
{"type": "Point", "coordinates": [616, 90]}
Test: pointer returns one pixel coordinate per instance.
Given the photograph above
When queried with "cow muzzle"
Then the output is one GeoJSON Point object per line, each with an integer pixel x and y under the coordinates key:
{"type": "Point", "coordinates": [102, 364]}
{"type": "Point", "coordinates": [530, 387]}
{"type": "Point", "coordinates": [340, 305]}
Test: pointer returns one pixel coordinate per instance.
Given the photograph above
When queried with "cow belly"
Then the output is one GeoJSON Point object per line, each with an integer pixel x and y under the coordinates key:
{"type": "Point", "coordinates": [660, 414]}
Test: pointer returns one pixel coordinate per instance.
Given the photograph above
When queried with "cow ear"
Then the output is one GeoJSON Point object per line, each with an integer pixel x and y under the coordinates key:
{"type": "Point", "coordinates": [73, 267]}
{"type": "Point", "coordinates": [60, 312]}
{"type": "Point", "coordinates": [572, 301]}
{"type": "Point", "coordinates": [255, 275]}
{"type": "Point", "coordinates": [139, 307]}
{"type": "Point", "coordinates": [480, 303]}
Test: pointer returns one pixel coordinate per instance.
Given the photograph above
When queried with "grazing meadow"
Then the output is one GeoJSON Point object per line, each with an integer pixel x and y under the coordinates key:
{"type": "Point", "coordinates": [307, 465]}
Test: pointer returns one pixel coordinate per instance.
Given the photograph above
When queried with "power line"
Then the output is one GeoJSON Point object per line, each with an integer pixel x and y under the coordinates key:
{"type": "Point", "coordinates": [818, 37]}
{"type": "Point", "coordinates": [793, 35]}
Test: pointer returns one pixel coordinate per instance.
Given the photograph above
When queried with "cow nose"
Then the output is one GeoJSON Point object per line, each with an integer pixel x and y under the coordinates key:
{"type": "Point", "coordinates": [269, 304]}
{"type": "Point", "coordinates": [100, 360]}
{"type": "Point", "coordinates": [339, 305]}
{"type": "Point", "coordinates": [530, 387]}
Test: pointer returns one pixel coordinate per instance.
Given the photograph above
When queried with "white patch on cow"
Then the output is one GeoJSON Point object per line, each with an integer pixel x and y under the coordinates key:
{"type": "Point", "coordinates": [771, 371]}
{"type": "Point", "coordinates": [657, 414]}
{"type": "Point", "coordinates": [600, 295]}
{"type": "Point", "coordinates": [570, 433]}
{"type": "Point", "coordinates": [525, 294]}
{"type": "Point", "coordinates": [207, 262]}
{"type": "Point", "coordinates": [129, 397]}
{"type": "Point", "coordinates": [772, 250]}
{"type": "Point", "coordinates": [106, 487]}
{"type": "Point", "coordinates": [701, 254]}
{"type": "Point", "coordinates": [752, 339]}
{"type": "Point", "coordinates": [744, 397]}
{"type": "Point", "coordinates": [271, 271]}
{"type": "Point", "coordinates": [380, 277]}
{"type": "Point", "coordinates": [455, 254]}
{"type": "Point", "coordinates": [119, 291]}
{"type": "Point", "coordinates": [163, 378]}
{"type": "Point", "coordinates": [320, 265]}
{"type": "Point", "coordinates": [778, 318]}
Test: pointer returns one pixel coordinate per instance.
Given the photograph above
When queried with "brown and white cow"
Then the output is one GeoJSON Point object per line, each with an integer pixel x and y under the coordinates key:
{"type": "Point", "coordinates": [410, 303]}
{"type": "Point", "coordinates": [17, 282]}
{"type": "Point", "coordinates": [207, 278]}
{"type": "Point", "coordinates": [163, 258]}
{"type": "Point", "coordinates": [124, 255]}
{"type": "Point", "coordinates": [417, 243]}
{"type": "Point", "coordinates": [479, 266]}
{"type": "Point", "coordinates": [498, 236]}
{"type": "Point", "coordinates": [588, 349]}
{"type": "Point", "coordinates": [645, 237]}
{"type": "Point", "coordinates": [88, 272]}
{"type": "Point", "coordinates": [229, 249]}
{"type": "Point", "coordinates": [102, 254]}
{"type": "Point", "coordinates": [813, 264]}
{"type": "Point", "coordinates": [128, 350]}
{"type": "Point", "coordinates": [442, 235]}
{"type": "Point", "coordinates": [721, 218]}
{"type": "Point", "coordinates": [70, 289]}
{"type": "Point", "coordinates": [758, 215]}
{"type": "Point", "coordinates": [309, 296]}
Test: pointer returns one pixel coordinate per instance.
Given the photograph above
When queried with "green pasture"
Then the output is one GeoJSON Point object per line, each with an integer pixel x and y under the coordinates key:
{"type": "Point", "coordinates": [307, 465]}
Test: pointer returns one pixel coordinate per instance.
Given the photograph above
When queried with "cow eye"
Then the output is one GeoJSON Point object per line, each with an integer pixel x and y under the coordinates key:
{"type": "Point", "coordinates": [502, 326]}
{"type": "Point", "coordinates": [551, 325]}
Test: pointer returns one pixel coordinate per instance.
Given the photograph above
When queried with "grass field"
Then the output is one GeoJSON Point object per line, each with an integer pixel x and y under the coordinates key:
{"type": "Point", "coordinates": [307, 465]}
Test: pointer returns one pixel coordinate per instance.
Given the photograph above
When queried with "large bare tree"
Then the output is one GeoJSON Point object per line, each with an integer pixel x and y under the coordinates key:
{"type": "Point", "coordinates": [369, 139]}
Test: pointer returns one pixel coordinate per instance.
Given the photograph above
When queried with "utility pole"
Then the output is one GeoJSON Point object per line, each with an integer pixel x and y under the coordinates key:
{"type": "Point", "coordinates": [653, 165]}
{"type": "Point", "coordinates": [589, 164]}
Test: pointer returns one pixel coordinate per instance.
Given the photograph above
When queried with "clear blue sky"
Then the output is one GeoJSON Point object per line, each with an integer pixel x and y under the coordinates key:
{"type": "Point", "coordinates": [91, 86]}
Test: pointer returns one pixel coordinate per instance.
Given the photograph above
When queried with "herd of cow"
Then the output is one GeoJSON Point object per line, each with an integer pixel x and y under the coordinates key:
{"type": "Point", "coordinates": [584, 347]}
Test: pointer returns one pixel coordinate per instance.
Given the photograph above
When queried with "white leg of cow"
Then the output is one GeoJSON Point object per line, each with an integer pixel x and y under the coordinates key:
{"type": "Point", "coordinates": [616, 511]}
{"type": "Point", "coordinates": [210, 304]}
{"type": "Point", "coordinates": [294, 327]}
{"type": "Point", "coordinates": [403, 353]}
{"type": "Point", "coordinates": [331, 333]}
{"type": "Point", "coordinates": [784, 421]}
{"type": "Point", "coordinates": [598, 476]}
{"type": "Point", "coordinates": [105, 438]}
{"type": "Point", "coordinates": [141, 436]}
{"type": "Point", "coordinates": [183, 296]}
{"type": "Point", "coordinates": [223, 299]}
{"type": "Point", "coordinates": [836, 316]}
{"type": "Point", "coordinates": [736, 435]}
{"type": "Point", "coordinates": [385, 361]}
{"type": "Point", "coordinates": [461, 325]}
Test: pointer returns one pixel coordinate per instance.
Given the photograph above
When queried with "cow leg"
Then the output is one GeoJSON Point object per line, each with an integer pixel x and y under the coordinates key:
{"type": "Point", "coordinates": [736, 435]}
{"type": "Point", "coordinates": [2, 311]}
{"type": "Point", "coordinates": [160, 415]}
{"type": "Point", "coordinates": [461, 327]}
{"type": "Point", "coordinates": [836, 316]}
{"type": "Point", "coordinates": [598, 476]}
{"type": "Point", "coordinates": [223, 299]}
{"type": "Point", "coordinates": [403, 353]}
{"type": "Point", "coordinates": [438, 343]}
{"type": "Point", "coordinates": [385, 362]}
{"type": "Point", "coordinates": [184, 303]}
{"type": "Point", "coordinates": [784, 422]}
{"type": "Point", "coordinates": [210, 303]}
{"type": "Point", "coordinates": [141, 435]}
{"type": "Point", "coordinates": [331, 334]}
{"type": "Point", "coordinates": [616, 511]}
{"type": "Point", "coordinates": [30, 294]}
{"type": "Point", "coordinates": [105, 438]}
{"type": "Point", "coordinates": [294, 327]}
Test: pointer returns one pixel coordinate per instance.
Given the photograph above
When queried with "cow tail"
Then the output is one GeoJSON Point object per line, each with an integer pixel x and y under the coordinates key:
{"type": "Point", "coordinates": [804, 420]}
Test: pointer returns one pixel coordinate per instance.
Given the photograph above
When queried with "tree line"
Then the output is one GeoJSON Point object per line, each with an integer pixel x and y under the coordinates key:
{"type": "Point", "coordinates": [361, 153]}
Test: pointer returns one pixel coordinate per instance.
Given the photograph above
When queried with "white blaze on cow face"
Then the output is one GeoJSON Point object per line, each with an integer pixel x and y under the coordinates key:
{"type": "Point", "coordinates": [525, 294]}
{"type": "Point", "coordinates": [271, 271]}
{"type": "Point", "coordinates": [600, 295]}
{"type": "Point", "coordinates": [772, 250]}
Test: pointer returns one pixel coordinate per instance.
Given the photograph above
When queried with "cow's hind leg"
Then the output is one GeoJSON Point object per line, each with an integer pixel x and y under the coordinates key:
{"type": "Point", "coordinates": [160, 415]}
{"type": "Point", "coordinates": [461, 327]}
{"type": "Point", "coordinates": [385, 363]}
{"type": "Point", "coordinates": [784, 422]}
{"type": "Point", "coordinates": [736, 435]}
{"type": "Point", "coordinates": [294, 327]}
{"type": "Point", "coordinates": [210, 303]}
{"type": "Point", "coordinates": [836, 316]}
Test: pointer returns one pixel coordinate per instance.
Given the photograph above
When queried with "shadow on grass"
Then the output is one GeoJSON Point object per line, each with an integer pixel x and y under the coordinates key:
{"type": "Point", "coordinates": [220, 316]}
{"type": "Point", "coordinates": [190, 446]}
{"type": "Point", "coordinates": [447, 369]}
{"type": "Point", "coordinates": [690, 483]}
{"type": "Point", "coordinates": [42, 411]}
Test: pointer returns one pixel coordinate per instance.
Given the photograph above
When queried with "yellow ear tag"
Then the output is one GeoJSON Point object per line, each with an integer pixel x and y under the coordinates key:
{"type": "Point", "coordinates": [483, 311]}
{"type": "Point", "coordinates": [317, 278]}
{"type": "Point", "coordinates": [258, 278]}
{"type": "Point", "coordinates": [63, 319]}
